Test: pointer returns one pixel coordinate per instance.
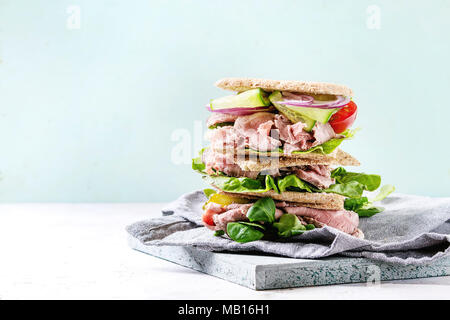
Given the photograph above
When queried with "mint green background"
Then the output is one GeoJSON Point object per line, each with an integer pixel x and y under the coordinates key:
{"type": "Point", "coordinates": [87, 115]}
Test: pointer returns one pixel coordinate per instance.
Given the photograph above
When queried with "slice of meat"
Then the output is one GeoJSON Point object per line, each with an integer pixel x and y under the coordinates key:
{"type": "Point", "coordinates": [278, 213]}
{"type": "Point", "coordinates": [211, 210]}
{"type": "Point", "coordinates": [293, 135]}
{"type": "Point", "coordinates": [239, 206]}
{"type": "Point", "coordinates": [289, 148]}
{"type": "Point", "coordinates": [224, 162]}
{"type": "Point", "coordinates": [262, 142]}
{"type": "Point", "coordinates": [318, 175]}
{"type": "Point", "coordinates": [251, 123]}
{"type": "Point", "coordinates": [234, 212]}
{"type": "Point", "coordinates": [265, 127]}
{"type": "Point", "coordinates": [217, 118]}
{"type": "Point", "coordinates": [346, 221]}
{"type": "Point", "coordinates": [226, 138]}
{"type": "Point", "coordinates": [322, 133]}
{"type": "Point", "coordinates": [256, 128]}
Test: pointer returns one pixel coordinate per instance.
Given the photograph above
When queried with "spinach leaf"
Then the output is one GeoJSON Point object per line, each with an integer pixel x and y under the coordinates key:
{"type": "Point", "coordinates": [368, 211]}
{"type": "Point", "coordinates": [262, 210]}
{"type": "Point", "coordinates": [219, 233]}
{"type": "Point", "coordinates": [289, 225]}
{"type": "Point", "coordinates": [242, 233]}
{"type": "Point", "coordinates": [252, 224]}
{"type": "Point", "coordinates": [364, 207]}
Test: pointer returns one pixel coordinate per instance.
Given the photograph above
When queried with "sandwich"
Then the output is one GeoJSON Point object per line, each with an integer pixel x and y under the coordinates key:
{"type": "Point", "coordinates": [275, 163]}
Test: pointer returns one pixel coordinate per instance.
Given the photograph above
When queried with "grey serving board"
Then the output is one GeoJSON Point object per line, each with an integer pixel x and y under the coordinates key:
{"type": "Point", "coordinates": [260, 272]}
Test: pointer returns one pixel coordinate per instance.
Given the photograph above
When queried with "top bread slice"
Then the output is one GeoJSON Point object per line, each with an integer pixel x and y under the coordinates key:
{"type": "Point", "coordinates": [243, 84]}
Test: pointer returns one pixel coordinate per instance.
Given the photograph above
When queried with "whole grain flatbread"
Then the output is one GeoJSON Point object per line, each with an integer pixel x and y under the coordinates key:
{"type": "Point", "coordinates": [242, 84]}
{"type": "Point", "coordinates": [326, 201]}
{"type": "Point", "coordinates": [250, 160]}
{"type": "Point", "coordinates": [340, 158]}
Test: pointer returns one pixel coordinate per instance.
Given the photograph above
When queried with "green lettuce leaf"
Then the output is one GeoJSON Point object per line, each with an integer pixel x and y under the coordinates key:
{"type": "Point", "coordinates": [209, 192]}
{"type": "Point", "coordinates": [222, 124]}
{"type": "Point", "coordinates": [197, 163]}
{"type": "Point", "coordinates": [383, 193]}
{"type": "Point", "coordinates": [292, 181]}
{"type": "Point", "coordinates": [369, 182]}
{"type": "Point", "coordinates": [352, 189]}
{"type": "Point", "coordinates": [352, 184]}
{"type": "Point", "coordinates": [231, 184]}
{"type": "Point", "coordinates": [353, 204]}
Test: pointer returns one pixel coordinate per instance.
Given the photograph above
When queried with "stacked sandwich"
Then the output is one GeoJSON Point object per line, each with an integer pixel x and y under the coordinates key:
{"type": "Point", "coordinates": [274, 161]}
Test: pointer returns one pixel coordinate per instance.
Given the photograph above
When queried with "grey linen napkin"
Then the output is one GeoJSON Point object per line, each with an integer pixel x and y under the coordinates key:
{"type": "Point", "coordinates": [411, 230]}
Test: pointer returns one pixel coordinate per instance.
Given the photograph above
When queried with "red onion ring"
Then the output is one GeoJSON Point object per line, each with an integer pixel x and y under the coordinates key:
{"type": "Point", "coordinates": [335, 104]}
{"type": "Point", "coordinates": [297, 99]}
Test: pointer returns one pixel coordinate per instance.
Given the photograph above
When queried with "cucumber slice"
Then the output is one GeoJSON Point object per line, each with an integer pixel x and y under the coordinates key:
{"type": "Point", "coordinates": [292, 115]}
{"type": "Point", "coordinates": [246, 99]}
{"type": "Point", "coordinates": [321, 115]}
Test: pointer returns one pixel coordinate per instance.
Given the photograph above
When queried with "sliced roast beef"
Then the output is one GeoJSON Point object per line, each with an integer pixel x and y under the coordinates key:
{"type": "Point", "coordinates": [292, 133]}
{"type": "Point", "coordinates": [234, 212]}
{"type": "Point", "coordinates": [346, 221]}
{"type": "Point", "coordinates": [262, 142]}
{"type": "Point", "coordinates": [256, 127]}
{"type": "Point", "coordinates": [225, 138]}
{"type": "Point", "coordinates": [216, 161]}
{"type": "Point", "coordinates": [265, 127]}
{"type": "Point", "coordinates": [289, 148]}
{"type": "Point", "coordinates": [216, 118]}
{"type": "Point", "coordinates": [322, 133]}
{"type": "Point", "coordinates": [317, 175]}
{"type": "Point", "coordinates": [265, 131]}
{"type": "Point", "coordinates": [249, 124]}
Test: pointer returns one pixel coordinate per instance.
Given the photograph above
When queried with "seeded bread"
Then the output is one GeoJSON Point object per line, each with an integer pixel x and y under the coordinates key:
{"type": "Point", "coordinates": [242, 84]}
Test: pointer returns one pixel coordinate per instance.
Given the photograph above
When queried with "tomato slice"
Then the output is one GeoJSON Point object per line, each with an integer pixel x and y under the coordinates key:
{"type": "Point", "coordinates": [207, 217]}
{"type": "Point", "coordinates": [344, 118]}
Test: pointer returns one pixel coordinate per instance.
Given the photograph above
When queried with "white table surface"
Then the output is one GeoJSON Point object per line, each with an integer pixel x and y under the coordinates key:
{"type": "Point", "coordinates": [79, 251]}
